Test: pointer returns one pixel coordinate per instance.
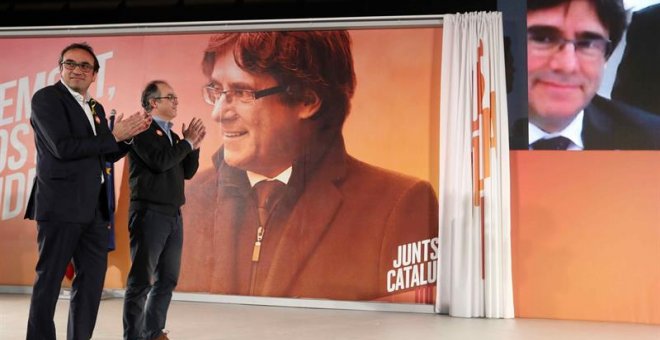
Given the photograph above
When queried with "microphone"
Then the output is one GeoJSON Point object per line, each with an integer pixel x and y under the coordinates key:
{"type": "Point", "coordinates": [111, 122]}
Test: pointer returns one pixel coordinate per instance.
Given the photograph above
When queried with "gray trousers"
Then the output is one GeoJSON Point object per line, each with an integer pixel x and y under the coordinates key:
{"type": "Point", "coordinates": [156, 241]}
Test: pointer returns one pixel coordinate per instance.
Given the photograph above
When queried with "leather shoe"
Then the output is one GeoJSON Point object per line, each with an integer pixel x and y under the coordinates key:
{"type": "Point", "coordinates": [162, 336]}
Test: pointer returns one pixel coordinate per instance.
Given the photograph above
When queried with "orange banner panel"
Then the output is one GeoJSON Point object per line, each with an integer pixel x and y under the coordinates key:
{"type": "Point", "coordinates": [586, 236]}
{"type": "Point", "coordinates": [393, 125]}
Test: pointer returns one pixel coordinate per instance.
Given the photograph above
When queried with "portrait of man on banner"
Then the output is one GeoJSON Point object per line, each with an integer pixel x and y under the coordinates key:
{"type": "Point", "coordinates": [286, 211]}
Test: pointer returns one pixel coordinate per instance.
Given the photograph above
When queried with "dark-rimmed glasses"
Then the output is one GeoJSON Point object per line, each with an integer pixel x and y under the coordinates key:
{"type": "Point", "coordinates": [71, 65]}
{"type": "Point", "coordinates": [213, 94]}
{"type": "Point", "coordinates": [545, 44]}
{"type": "Point", "coordinates": [170, 97]}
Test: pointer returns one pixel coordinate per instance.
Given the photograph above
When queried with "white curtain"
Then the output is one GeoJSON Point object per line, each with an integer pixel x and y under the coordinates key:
{"type": "Point", "coordinates": [475, 243]}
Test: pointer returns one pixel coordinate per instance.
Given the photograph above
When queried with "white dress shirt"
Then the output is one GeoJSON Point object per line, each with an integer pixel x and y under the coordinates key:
{"type": "Point", "coordinates": [573, 132]}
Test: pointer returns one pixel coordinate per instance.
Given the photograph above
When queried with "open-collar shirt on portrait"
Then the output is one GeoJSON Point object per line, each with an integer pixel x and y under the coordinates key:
{"type": "Point", "coordinates": [283, 177]}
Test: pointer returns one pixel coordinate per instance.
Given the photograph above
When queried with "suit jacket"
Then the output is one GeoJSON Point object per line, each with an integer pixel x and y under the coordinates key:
{"type": "Point", "coordinates": [638, 73]}
{"type": "Point", "coordinates": [70, 158]}
{"type": "Point", "coordinates": [611, 125]}
{"type": "Point", "coordinates": [335, 233]}
{"type": "Point", "coordinates": [158, 170]}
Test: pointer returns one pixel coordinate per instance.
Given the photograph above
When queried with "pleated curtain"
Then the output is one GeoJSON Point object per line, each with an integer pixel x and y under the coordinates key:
{"type": "Point", "coordinates": [475, 221]}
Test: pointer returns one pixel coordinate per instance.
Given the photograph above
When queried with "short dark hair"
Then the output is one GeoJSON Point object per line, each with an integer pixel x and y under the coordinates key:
{"type": "Point", "coordinates": [611, 14]}
{"type": "Point", "coordinates": [320, 61]}
{"type": "Point", "coordinates": [80, 46]}
{"type": "Point", "coordinates": [150, 91]}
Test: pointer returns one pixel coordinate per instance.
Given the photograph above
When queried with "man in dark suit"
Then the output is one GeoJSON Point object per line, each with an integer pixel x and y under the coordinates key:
{"type": "Point", "coordinates": [568, 43]}
{"type": "Point", "coordinates": [638, 73]}
{"type": "Point", "coordinates": [159, 163]}
{"type": "Point", "coordinates": [286, 211]}
{"type": "Point", "coordinates": [68, 198]}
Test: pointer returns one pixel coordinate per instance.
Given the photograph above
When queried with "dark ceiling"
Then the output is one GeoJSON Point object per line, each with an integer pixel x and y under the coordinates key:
{"type": "Point", "coordinates": [83, 12]}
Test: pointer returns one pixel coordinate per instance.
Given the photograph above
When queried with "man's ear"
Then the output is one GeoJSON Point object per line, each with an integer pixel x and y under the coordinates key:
{"type": "Point", "coordinates": [310, 105]}
{"type": "Point", "coordinates": [153, 103]}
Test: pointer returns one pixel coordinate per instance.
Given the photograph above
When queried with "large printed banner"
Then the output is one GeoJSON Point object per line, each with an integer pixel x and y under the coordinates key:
{"type": "Point", "coordinates": [357, 221]}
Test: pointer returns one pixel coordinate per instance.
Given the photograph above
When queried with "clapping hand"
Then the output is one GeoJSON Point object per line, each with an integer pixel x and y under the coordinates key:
{"type": "Point", "coordinates": [130, 127]}
{"type": "Point", "coordinates": [195, 132]}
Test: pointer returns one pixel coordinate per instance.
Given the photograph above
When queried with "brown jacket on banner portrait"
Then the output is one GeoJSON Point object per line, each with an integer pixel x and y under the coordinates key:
{"type": "Point", "coordinates": [335, 234]}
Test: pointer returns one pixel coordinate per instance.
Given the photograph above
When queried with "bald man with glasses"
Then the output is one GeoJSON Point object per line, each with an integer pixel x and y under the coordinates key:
{"type": "Point", "coordinates": [160, 163]}
{"type": "Point", "coordinates": [568, 45]}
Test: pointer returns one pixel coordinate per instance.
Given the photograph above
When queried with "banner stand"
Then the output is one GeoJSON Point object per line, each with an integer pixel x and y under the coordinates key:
{"type": "Point", "coordinates": [265, 301]}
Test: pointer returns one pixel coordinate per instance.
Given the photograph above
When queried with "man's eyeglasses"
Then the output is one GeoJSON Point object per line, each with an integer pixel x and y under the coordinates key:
{"type": "Point", "coordinates": [71, 65]}
{"type": "Point", "coordinates": [170, 97]}
{"type": "Point", "coordinates": [213, 94]}
{"type": "Point", "coordinates": [546, 44]}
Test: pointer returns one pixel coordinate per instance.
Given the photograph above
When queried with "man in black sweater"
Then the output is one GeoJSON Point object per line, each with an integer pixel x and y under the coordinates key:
{"type": "Point", "coordinates": [159, 163]}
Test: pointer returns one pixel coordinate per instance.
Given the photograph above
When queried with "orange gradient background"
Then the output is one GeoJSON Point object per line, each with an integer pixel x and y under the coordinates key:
{"type": "Point", "coordinates": [393, 121]}
{"type": "Point", "coordinates": [586, 235]}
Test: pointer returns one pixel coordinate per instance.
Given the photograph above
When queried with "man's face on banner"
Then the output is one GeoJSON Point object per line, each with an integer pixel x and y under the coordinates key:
{"type": "Point", "coordinates": [563, 76]}
{"type": "Point", "coordinates": [261, 135]}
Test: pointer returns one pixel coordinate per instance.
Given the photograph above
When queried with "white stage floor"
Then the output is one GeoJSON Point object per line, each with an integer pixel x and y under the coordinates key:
{"type": "Point", "coordinates": [213, 321]}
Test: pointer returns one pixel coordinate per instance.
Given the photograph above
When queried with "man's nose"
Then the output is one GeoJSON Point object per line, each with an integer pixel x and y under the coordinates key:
{"type": "Point", "coordinates": [222, 109]}
{"type": "Point", "coordinates": [565, 59]}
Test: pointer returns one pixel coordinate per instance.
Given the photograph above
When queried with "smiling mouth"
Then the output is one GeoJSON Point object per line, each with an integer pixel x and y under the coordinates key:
{"type": "Point", "coordinates": [558, 84]}
{"type": "Point", "coordinates": [235, 134]}
{"type": "Point", "coordinates": [561, 85]}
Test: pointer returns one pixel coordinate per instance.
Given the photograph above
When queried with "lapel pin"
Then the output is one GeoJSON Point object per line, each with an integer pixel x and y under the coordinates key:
{"type": "Point", "coordinates": [160, 133]}
{"type": "Point", "coordinates": [97, 120]}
